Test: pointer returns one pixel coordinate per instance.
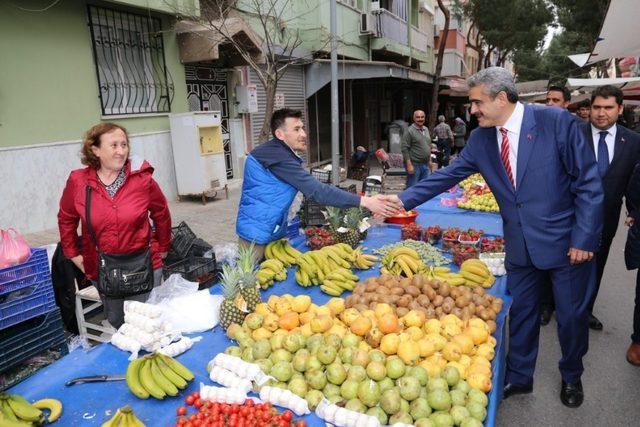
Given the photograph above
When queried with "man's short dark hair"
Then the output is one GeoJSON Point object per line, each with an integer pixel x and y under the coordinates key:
{"type": "Point", "coordinates": [585, 103]}
{"type": "Point", "coordinates": [280, 116]}
{"type": "Point", "coordinates": [606, 91]}
{"type": "Point", "coordinates": [566, 93]}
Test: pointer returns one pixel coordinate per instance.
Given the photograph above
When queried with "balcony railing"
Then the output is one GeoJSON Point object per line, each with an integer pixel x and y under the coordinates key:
{"type": "Point", "coordinates": [390, 26]}
{"type": "Point", "coordinates": [420, 41]}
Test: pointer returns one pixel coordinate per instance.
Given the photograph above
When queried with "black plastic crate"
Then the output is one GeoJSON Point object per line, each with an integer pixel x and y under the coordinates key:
{"type": "Point", "coordinates": [182, 238]}
{"type": "Point", "coordinates": [199, 248]}
{"type": "Point", "coordinates": [30, 338]}
{"type": "Point", "coordinates": [325, 176]}
{"type": "Point", "coordinates": [311, 211]}
{"type": "Point", "coordinates": [193, 269]}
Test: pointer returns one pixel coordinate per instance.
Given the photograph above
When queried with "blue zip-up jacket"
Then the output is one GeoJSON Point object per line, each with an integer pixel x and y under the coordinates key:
{"type": "Point", "coordinates": [273, 175]}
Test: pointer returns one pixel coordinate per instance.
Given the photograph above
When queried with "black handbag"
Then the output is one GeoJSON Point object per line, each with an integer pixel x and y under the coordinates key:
{"type": "Point", "coordinates": [121, 275]}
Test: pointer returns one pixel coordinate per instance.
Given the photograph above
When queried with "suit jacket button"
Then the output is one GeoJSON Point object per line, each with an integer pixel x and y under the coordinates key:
{"type": "Point", "coordinates": [519, 205]}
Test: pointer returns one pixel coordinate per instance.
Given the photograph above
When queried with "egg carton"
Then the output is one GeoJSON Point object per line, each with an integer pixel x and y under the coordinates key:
{"type": "Point", "coordinates": [494, 262]}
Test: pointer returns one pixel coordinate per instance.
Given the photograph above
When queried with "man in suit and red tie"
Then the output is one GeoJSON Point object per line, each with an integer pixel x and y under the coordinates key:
{"type": "Point", "coordinates": [617, 150]}
{"type": "Point", "coordinates": [544, 176]}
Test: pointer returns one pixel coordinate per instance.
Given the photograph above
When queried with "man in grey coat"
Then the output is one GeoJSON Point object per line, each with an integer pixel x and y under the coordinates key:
{"type": "Point", "coordinates": [416, 149]}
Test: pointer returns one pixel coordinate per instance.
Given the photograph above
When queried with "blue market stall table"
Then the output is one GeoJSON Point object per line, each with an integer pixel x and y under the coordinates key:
{"type": "Point", "coordinates": [94, 403]}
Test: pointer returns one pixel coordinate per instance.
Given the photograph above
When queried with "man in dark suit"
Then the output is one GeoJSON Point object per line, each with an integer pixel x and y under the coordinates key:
{"type": "Point", "coordinates": [617, 150]}
{"type": "Point", "coordinates": [544, 176]}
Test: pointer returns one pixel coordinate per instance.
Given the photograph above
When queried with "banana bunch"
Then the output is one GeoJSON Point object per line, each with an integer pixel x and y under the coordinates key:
{"type": "Point", "coordinates": [363, 261]}
{"type": "Point", "coordinates": [329, 267]}
{"type": "Point", "coordinates": [476, 273]}
{"type": "Point", "coordinates": [402, 261]}
{"type": "Point", "coordinates": [157, 375]}
{"type": "Point", "coordinates": [282, 251]}
{"type": "Point", "coordinates": [444, 274]}
{"type": "Point", "coordinates": [124, 417]}
{"type": "Point", "coordinates": [15, 410]}
{"type": "Point", "coordinates": [271, 270]}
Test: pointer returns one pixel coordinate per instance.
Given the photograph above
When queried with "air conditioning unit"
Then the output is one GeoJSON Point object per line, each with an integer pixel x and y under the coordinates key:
{"type": "Point", "coordinates": [375, 5]}
{"type": "Point", "coordinates": [366, 24]}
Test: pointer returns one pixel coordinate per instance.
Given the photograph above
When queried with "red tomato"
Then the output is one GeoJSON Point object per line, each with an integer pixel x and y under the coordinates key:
{"type": "Point", "coordinates": [189, 400]}
{"type": "Point", "coordinates": [197, 403]}
{"type": "Point", "coordinates": [196, 395]}
{"type": "Point", "coordinates": [181, 411]}
{"type": "Point", "coordinates": [287, 415]}
{"type": "Point", "coordinates": [249, 402]}
{"type": "Point", "coordinates": [301, 423]}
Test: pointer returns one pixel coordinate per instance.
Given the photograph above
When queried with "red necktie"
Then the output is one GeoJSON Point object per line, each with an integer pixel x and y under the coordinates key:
{"type": "Point", "coordinates": [504, 155]}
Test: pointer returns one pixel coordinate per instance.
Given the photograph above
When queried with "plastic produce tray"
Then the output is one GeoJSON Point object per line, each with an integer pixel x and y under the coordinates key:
{"type": "Point", "coordinates": [25, 274]}
{"type": "Point", "coordinates": [182, 238]}
{"type": "Point", "coordinates": [193, 269]}
{"type": "Point", "coordinates": [30, 338]}
{"type": "Point", "coordinates": [28, 302]}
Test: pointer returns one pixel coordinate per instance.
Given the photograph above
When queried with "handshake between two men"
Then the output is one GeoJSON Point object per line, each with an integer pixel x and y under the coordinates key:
{"type": "Point", "coordinates": [382, 206]}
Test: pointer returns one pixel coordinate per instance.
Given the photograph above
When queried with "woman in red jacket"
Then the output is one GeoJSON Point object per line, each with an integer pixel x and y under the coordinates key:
{"type": "Point", "coordinates": [124, 196]}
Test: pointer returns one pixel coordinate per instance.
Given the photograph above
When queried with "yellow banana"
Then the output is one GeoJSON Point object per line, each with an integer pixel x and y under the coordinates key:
{"type": "Point", "coordinates": [176, 379]}
{"type": "Point", "coordinates": [114, 421]}
{"type": "Point", "coordinates": [384, 270]}
{"type": "Point", "coordinates": [406, 251]}
{"type": "Point", "coordinates": [23, 409]}
{"type": "Point", "coordinates": [148, 382]}
{"type": "Point", "coordinates": [54, 407]}
{"type": "Point", "coordinates": [474, 262]}
{"type": "Point", "coordinates": [489, 282]}
{"type": "Point", "coordinates": [405, 267]}
{"type": "Point", "coordinates": [291, 251]}
{"type": "Point", "coordinates": [6, 411]}
{"type": "Point", "coordinates": [472, 277]}
{"type": "Point", "coordinates": [348, 249]}
{"type": "Point", "coordinates": [178, 367]}
{"type": "Point", "coordinates": [477, 271]}
{"type": "Point", "coordinates": [412, 263]}
{"type": "Point", "coordinates": [441, 269]}
{"type": "Point", "coordinates": [330, 291]}
{"type": "Point", "coordinates": [273, 264]}
{"type": "Point", "coordinates": [370, 257]}
{"type": "Point", "coordinates": [268, 250]}
{"type": "Point", "coordinates": [132, 420]}
{"type": "Point", "coordinates": [336, 258]}
{"type": "Point", "coordinates": [285, 253]}
{"type": "Point", "coordinates": [348, 285]}
{"type": "Point", "coordinates": [163, 382]}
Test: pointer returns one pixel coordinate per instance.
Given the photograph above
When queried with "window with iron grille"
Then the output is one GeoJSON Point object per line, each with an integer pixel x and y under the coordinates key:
{"type": "Point", "coordinates": [129, 56]}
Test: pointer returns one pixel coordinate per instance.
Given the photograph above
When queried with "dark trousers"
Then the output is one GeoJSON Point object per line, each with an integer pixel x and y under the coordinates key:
{"type": "Point", "coordinates": [444, 147]}
{"type": "Point", "coordinates": [636, 313]}
{"type": "Point", "coordinates": [546, 297]}
{"type": "Point", "coordinates": [601, 261]}
{"type": "Point", "coordinates": [572, 288]}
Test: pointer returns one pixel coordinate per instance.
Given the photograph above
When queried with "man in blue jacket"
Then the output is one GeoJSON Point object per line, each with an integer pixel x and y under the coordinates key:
{"type": "Point", "coordinates": [273, 175]}
{"type": "Point", "coordinates": [544, 176]}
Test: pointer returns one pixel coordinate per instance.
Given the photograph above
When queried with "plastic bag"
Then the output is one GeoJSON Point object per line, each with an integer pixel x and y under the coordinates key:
{"type": "Point", "coordinates": [13, 248]}
{"type": "Point", "coordinates": [192, 313]}
{"type": "Point", "coordinates": [174, 286]}
{"type": "Point", "coordinates": [226, 253]}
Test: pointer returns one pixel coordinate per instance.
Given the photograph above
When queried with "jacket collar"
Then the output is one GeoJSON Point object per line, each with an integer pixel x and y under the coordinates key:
{"type": "Point", "coordinates": [277, 140]}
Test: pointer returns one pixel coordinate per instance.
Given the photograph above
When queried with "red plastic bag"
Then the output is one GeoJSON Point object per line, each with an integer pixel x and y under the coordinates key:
{"type": "Point", "coordinates": [13, 248]}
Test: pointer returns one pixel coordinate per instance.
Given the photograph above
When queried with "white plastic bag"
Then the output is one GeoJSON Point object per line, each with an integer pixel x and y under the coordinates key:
{"type": "Point", "coordinates": [226, 253]}
{"type": "Point", "coordinates": [174, 286]}
{"type": "Point", "coordinates": [193, 312]}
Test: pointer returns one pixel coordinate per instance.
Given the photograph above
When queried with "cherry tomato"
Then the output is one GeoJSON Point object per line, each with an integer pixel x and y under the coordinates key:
{"type": "Point", "coordinates": [249, 403]}
{"type": "Point", "coordinates": [189, 400]}
{"type": "Point", "coordinates": [287, 415]}
{"type": "Point", "coordinates": [192, 417]}
{"type": "Point", "coordinates": [197, 403]}
{"type": "Point", "coordinates": [196, 395]}
{"type": "Point", "coordinates": [181, 410]}
{"type": "Point", "coordinates": [301, 423]}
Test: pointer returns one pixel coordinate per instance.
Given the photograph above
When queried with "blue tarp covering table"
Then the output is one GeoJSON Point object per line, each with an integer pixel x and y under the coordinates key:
{"type": "Point", "coordinates": [93, 403]}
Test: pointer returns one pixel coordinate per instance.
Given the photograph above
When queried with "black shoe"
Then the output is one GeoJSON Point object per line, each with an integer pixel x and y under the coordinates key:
{"type": "Point", "coordinates": [594, 323]}
{"type": "Point", "coordinates": [545, 315]}
{"type": "Point", "coordinates": [510, 389]}
{"type": "Point", "coordinates": [572, 394]}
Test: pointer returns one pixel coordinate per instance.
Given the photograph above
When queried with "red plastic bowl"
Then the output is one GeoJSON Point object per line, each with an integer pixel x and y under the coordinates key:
{"type": "Point", "coordinates": [404, 219]}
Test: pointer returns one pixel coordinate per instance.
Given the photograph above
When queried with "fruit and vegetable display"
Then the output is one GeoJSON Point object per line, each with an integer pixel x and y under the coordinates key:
{"type": "Point", "coordinates": [477, 195]}
{"type": "Point", "coordinates": [432, 234]}
{"type": "Point", "coordinates": [330, 268]}
{"type": "Point", "coordinates": [157, 376]}
{"type": "Point", "coordinates": [433, 298]}
{"type": "Point", "coordinates": [271, 270]}
{"type": "Point", "coordinates": [247, 413]}
{"type": "Point", "coordinates": [16, 411]}
{"type": "Point", "coordinates": [494, 262]}
{"type": "Point", "coordinates": [398, 369]}
{"type": "Point", "coordinates": [239, 286]}
{"type": "Point", "coordinates": [428, 255]}
{"type": "Point", "coordinates": [492, 244]}
{"type": "Point", "coordinates": [318, 237]}
{"type": "Point", "coordinates": [124, 417]}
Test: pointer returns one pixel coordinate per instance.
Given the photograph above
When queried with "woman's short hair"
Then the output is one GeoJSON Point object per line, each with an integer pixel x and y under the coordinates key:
{"type": "Point", "coordinates": [92, 138]}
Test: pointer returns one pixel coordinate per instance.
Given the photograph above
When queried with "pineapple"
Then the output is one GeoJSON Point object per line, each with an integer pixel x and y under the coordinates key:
{"type": "Point", "coordinates": [334, 217]}
{"type": "Point", "coordinates": [248, 283]}
{"type": "Point", "coordinates": [233, 308]}
{"type": "Point", "coordinates": [352, 221]}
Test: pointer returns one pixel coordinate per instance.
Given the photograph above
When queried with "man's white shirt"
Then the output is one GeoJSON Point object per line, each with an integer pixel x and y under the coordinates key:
{"type": "Point", "coordinates": [610, 139]}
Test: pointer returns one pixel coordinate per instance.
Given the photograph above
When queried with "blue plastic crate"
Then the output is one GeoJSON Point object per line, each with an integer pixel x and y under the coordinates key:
{"type": "Point", "coordinates": [293, 229]}
{"type": "Point", "coordinates": [30, 338]}
{"type": "Point", "coordinates": [29, 302]}
{"type": "Point", "coordinates": [12, 278]}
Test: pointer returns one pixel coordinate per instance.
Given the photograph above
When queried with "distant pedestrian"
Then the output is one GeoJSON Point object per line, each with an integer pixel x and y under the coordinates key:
{"type": "Point", "coordinates": [584, 110]}
{"type": "Point", "coordinates": [445, 140]}
{"type": "Point", "coordinates": [558, 96]}
{"type": "Point", "coordinates": [416, 149]}
{"type": "Point", "coordinates": [460, 133]}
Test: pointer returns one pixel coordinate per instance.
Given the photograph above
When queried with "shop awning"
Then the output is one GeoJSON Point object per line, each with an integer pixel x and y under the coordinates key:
{"type": "Point", "coordinates": [198, 42]}
{"type": "Point", "coordinates": [454, 87]}
{"type": "Point", "coordinates": [618, 37]}
{"type": "Point", "coordinates": [592, 83]}
{"type": "Point", "coordinates": [318, 74]}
